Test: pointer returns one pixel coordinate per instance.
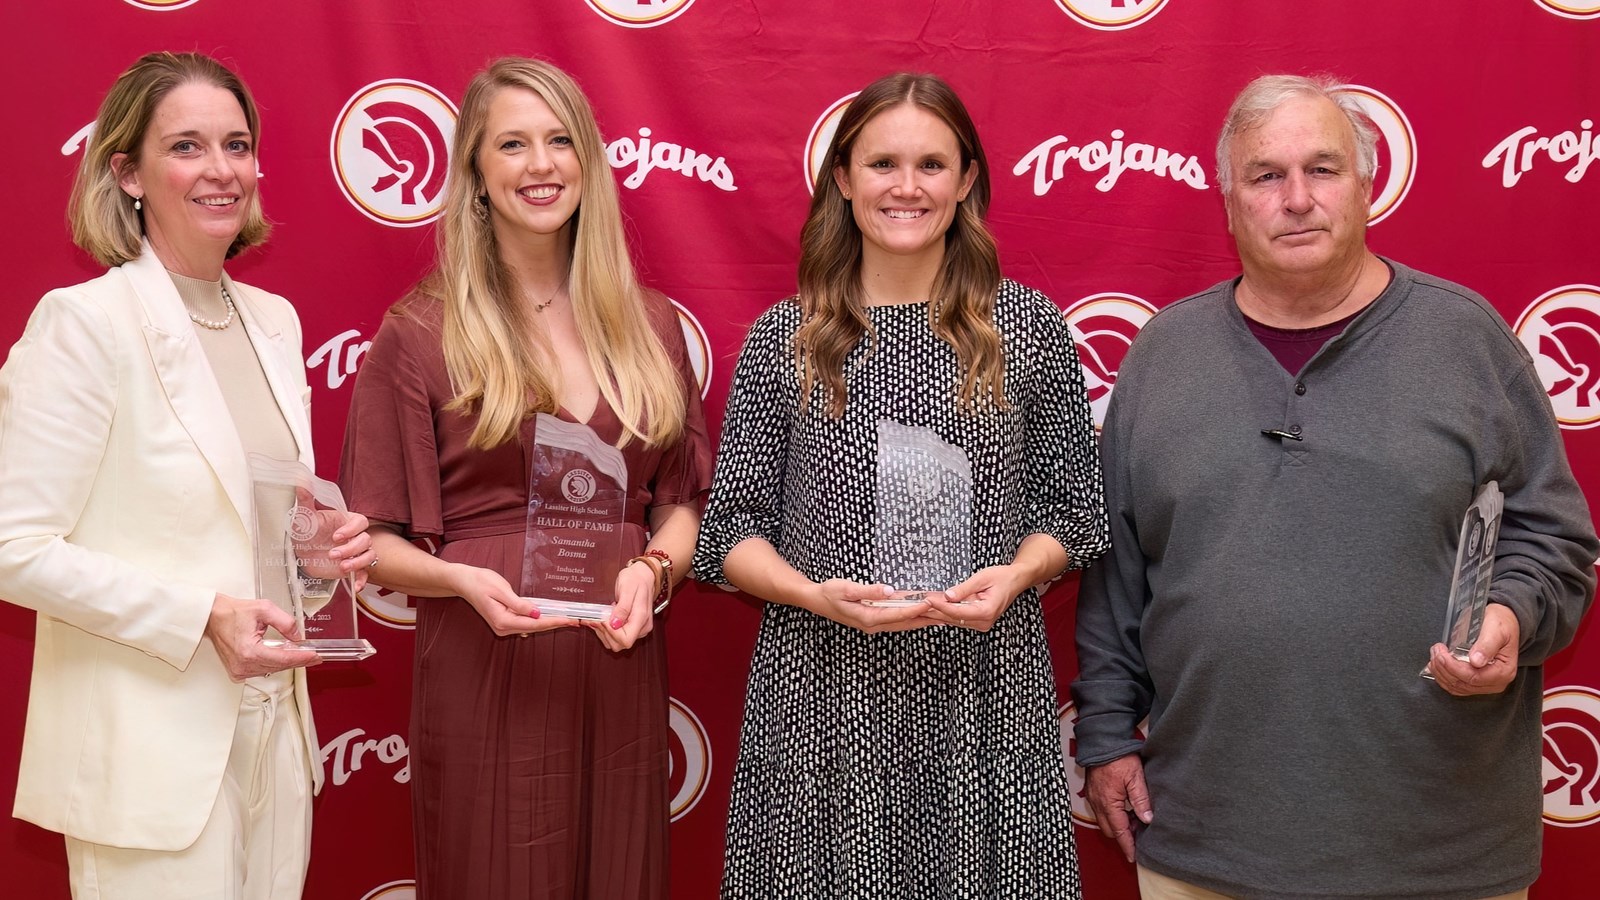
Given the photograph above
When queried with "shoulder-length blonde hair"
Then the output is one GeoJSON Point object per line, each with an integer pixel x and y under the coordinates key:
{"type": "Point", "coordinates": [487, 327]}
{"type": "Point", "coordinates": [962, 309]}
{"type": "Point", "coordinates": [104, 222]}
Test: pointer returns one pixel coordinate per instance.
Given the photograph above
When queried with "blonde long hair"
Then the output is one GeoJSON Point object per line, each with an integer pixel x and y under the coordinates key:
{"type": "Point", "coordinates": [962, 309]}
{"type": "Point", "coordinates": [487, 327]}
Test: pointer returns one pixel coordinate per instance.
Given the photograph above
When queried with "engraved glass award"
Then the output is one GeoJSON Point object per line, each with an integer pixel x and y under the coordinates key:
{"type": "Point", "coordinates": [923, 528]}
{"type": "Point", "coordinates": [296, 515]}
{"type": "Point", "coordinates": [1469, 585]}
{"type": "Point", "coordinates": [577, 498]}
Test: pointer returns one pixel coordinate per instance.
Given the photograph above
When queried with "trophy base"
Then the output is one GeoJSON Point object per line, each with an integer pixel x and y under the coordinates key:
{"type": "Point", "coordinates": [1462, 655]}
{"type": "Point", "coordinates": [904, 598]}
{"type": "Point", "coordinates": [331, 650]}
{"type": "Point", "coordinates": [571, 609]}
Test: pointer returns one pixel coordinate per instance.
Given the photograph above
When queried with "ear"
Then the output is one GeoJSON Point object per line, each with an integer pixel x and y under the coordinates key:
{"type": "Point", "coordinates": [967, 179]}
{"type": "Point", "coordinates": [127, 175]}
{"type": "Point", "coordinates": [1227, 207]}
{"type": "Point", "coordinates": [842, 180]}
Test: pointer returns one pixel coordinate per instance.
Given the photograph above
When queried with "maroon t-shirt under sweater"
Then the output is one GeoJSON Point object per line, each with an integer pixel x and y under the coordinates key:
{"type": "Point", "coordinates": [1294, 347]}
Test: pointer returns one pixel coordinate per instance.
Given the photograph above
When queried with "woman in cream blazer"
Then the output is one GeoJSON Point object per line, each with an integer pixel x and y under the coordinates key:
{"type": "Point", "coordinates": [126, 515]}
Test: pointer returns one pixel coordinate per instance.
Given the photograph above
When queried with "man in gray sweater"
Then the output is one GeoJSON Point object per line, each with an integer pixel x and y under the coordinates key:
{"type": "Point", "coordinates": [1287, 459]}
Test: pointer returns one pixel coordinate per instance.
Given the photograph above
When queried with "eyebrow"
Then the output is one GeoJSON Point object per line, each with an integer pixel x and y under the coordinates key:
{"type": "Point", "coordinates": [194, 133]}
{"type": "Point", "coordinates": [522, 133]}
{"type": "Point", "coordinates": [867, 153]}
{"type": "Point", "coordinates": [1322, 156]}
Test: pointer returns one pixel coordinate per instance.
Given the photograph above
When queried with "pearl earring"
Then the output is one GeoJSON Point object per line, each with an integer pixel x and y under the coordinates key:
{"type": "Point", "coordinates": [137, 203]}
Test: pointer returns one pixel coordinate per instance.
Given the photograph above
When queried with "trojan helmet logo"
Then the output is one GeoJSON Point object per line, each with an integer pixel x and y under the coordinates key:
{"type": "Point", "coordinates": [302, 523]}
{"type": "Point", "coordinates": [1570, 768]}
{"type": "Point", "coordinates": [821, 136]}
{"type": "Point", "coordinates": [578, 486]}
{"type": "Point", "coordinates": [391, 608]}
{"type": "Point", "coordinates": [639, 13]}
{"type": "Point", "coordinates": [1397, 150]}
{"type": "Point", "coordinates": [394, 890]}
{"type": "Point", "coordinates": [1572, 9]}
{"type": "Point", "coordinates": [1562, 332]}
{"type": "Point", "coordinates": [694, 337]}
{"type": "Point", "coordinates": [391, 151]}
{"type": "Point", "coordinates": [1077, 781]}
{"type": "Point", "coordinates": [690, 759]}
{"type": "Point", "coordinates": [1112, 15]}
{"type": "Point", "coordinates": [161, 5]}
{"type": "Point", "coordinates": [1103, 327]}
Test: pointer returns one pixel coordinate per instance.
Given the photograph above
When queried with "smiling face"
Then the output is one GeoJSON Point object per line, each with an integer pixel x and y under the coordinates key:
{"type": "Point", "coordinates": [529, 167]}
{"type": "Point", "coordinates": [196, 177]}
{"type": "Point", "coordinates": [1298, 206]}
{"type": "Point", "coordinates": [904, 181]}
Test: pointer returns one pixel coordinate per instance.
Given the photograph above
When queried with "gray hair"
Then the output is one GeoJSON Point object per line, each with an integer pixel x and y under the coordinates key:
{"type": "Point", "coordinates": [1261, 97]}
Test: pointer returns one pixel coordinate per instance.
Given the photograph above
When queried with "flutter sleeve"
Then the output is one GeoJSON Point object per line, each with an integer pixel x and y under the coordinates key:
{"type": "Point", "coordinates": [747, 492]}
{"type": "Point", "coordinates": [389, 470]}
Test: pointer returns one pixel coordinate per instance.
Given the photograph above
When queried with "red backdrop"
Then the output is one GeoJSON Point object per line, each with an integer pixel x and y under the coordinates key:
{"type": "Point", "coordinates": [1099, 117]}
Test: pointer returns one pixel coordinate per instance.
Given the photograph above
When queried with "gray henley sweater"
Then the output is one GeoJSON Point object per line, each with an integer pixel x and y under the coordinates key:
{"type": "Point", "coordinates": [1268, 602]}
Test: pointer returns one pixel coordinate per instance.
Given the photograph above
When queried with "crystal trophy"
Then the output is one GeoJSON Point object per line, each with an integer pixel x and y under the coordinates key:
{"type": "Point", "coordinates": [923, 526]}
{"type": "Point", "coordinates": [577, 498]}
{"type": "Point", "coordinates": [1469, 585]}
{"type": "Point", "coordinates": [296, 515]}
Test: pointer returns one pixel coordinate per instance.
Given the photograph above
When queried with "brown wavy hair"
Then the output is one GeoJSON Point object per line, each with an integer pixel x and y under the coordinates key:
{"type": "Point", "coordinates": [962, 309]}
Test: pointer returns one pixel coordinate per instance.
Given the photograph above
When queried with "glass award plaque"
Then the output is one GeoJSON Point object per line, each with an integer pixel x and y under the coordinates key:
{"type": "Point", "coordinates": [923, 528]}
{"type": "Point", "coordinates": [296, 515]}
{"type": "Point", "coordinates": [577, 499]}
{"type": "Point", "coordinates": [1469, 585]}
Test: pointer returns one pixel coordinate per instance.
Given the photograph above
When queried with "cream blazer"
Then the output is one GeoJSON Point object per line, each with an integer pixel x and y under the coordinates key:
{"type": "Point", "coordinates": [125, 505]}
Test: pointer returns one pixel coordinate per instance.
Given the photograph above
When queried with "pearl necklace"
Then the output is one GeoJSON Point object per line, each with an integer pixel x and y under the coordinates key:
{"type": "Point", "coordinates": [213, 324]}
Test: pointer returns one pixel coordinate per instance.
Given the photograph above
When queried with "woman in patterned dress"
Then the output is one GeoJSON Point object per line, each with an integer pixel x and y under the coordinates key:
{"type": "Point", "coordinates": [538, 748]}
{"type": "Point", "coordinates": [901, 752]}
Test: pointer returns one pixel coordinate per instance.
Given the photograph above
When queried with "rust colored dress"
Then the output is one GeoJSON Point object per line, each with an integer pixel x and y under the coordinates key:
{"type": "Point", "coordinates": [538, 765]}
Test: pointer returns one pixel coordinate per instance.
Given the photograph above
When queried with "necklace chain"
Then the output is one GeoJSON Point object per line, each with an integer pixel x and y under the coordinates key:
{"type": "Point", "coordinates": [213, 324]}
{"type": "Point", "coordinates": [541, 307]}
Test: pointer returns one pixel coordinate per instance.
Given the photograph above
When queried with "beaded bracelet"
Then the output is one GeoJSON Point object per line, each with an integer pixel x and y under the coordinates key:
{"type": "Point", "coordinates": [665, 596]}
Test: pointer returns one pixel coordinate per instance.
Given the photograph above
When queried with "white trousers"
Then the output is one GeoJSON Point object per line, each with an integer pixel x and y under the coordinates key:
{"type": "Point", "coordinates": [257, 842]}
{"type": "Point", "coordinates": [1155, 886]}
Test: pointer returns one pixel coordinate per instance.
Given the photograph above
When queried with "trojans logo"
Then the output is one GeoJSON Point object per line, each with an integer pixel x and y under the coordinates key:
{"type": "Point", "coordinates": [639, 13]}
{"type": "Point", "coordinates": [1561, 330]}
{"type": "Point", "coordinates": [821, 136]}
{"type": "Point", "coordinates": [1103, 327]}
{"type": "Point", "coordinates": [1111, 15]}
{"type": "Point", "coordinates": [391, 151]}
{"type": "Point", "coordinates": [694, 337]}
{"type": "Point", "coordinates": [1572, 9]}
{"type": "Point", "coordinates": [1570, 768]}
{"type": "Point", "coordinates": [690, 754]}
{"type": "Point", "coordinates": [1397, 150]}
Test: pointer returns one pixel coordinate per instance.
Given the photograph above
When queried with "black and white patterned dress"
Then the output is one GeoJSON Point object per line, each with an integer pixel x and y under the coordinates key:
{"type": "Point", "coordinates": [912, 765]}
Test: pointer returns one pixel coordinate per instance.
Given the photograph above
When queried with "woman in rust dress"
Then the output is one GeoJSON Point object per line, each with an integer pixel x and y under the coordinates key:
{"type": "Point", "coordinates": [538, 744]}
